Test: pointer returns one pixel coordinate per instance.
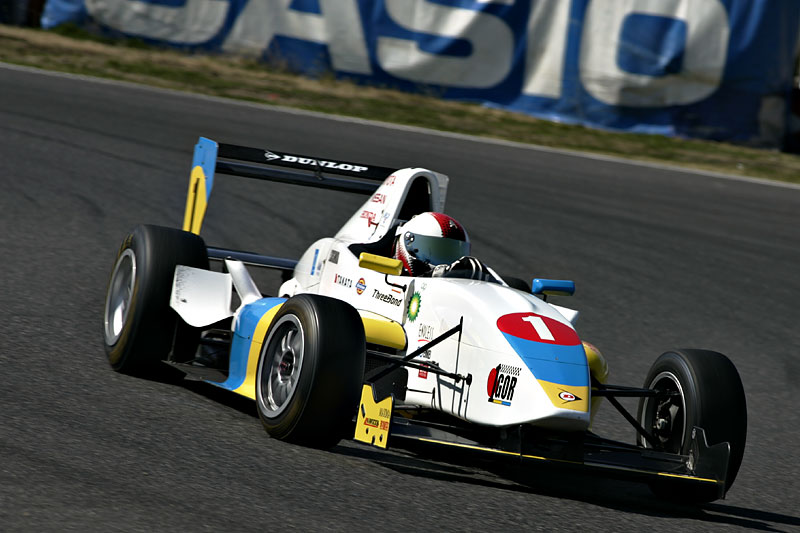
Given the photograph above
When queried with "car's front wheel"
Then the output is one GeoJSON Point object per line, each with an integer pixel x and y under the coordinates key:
{"type": "Point", "coordinates": [696, 388]}
{"type": "Point", "coordinates": [310, 371]}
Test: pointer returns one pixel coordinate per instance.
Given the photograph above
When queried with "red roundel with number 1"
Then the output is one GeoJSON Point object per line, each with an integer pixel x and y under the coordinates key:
{"type": "Point", "coordinates": [537, 328]}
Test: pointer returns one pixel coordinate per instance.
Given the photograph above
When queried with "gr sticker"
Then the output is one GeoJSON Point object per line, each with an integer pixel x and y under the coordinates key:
{"type": "Point", "coordinates": [361, 286]}
{"type": "Point", "coordinates": [501, 384]}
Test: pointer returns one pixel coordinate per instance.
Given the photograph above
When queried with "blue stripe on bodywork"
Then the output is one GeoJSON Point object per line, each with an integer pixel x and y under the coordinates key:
{"type": "Point", "coordinates": [242, 339]}
{"type": "Point", "coordinates": [564, 365]}
{"type": "Point", "coordinates": [205, 156]}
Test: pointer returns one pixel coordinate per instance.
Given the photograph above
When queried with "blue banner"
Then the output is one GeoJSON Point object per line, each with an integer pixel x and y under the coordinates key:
{"type": "Point", "coordinates": [713, 69]}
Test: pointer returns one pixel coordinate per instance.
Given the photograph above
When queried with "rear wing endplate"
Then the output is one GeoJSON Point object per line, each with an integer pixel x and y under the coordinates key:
{"type": "Point", "coordinates": [211, 158]}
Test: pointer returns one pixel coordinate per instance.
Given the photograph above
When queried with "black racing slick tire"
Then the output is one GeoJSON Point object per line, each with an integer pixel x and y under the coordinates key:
{"type": "Point", "coordinates": [310, 372]}
{"type": "Point", "coordinates": [707, 392]}
{"type": "Point", "coordinates": [138, 323]}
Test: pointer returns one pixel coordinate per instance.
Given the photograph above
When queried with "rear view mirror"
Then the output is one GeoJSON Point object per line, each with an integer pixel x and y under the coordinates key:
{"type": "Point", "coordinates": [553, 287]}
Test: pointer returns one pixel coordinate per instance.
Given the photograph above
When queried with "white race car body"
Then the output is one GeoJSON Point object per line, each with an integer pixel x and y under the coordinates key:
{"type": "Point", "coordinates": [457, 357]}
{"type": "Point", "coordinates": [522, 360]}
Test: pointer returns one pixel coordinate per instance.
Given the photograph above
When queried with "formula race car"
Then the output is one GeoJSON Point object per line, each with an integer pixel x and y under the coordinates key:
{"type": "Point", "coordinates": [391, 332]}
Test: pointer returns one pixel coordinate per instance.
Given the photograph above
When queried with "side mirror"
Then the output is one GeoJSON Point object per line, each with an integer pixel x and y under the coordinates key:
{"type": "Point", "coordinates": [553, 287]}
{"type": "Point", "coordinates": [378, 263]}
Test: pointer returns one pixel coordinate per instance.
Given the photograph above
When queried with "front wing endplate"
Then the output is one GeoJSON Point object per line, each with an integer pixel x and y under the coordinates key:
{"type": "Point", "coordinates": [374, 418]}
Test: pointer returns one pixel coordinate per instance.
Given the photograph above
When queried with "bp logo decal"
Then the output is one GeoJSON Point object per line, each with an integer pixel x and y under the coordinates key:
{"type": "Point", "coordinates": [413, 306]}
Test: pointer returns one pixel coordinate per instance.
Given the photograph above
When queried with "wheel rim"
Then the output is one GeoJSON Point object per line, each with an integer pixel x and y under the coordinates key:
{"type": "Point", "coordinates": [664, 415]}
{"type": "Point", "coordinates": [280, 365]}
{"type": "Point", "coordinates": [120, 294]}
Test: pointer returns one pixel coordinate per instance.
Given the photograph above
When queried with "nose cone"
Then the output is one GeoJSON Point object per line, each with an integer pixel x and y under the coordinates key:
{"type": "Point", "coordinates": [554, 353]}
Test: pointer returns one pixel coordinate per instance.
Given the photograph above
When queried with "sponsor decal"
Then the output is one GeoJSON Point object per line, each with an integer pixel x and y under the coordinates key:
{"type": "Point", "coordinates": [309, 161]}
{"type": "Point", "coordinates": [370, 217]}
{"type": "Point", "coordinates": [568, 396]}
{"type": "Point", "coordinates": [378, 198]}
{"type": "Point", "coordinates": [314, 263]}
{"type": "Point", "coordinates": [538, 328]}
{"type": "Point", "coordinates": [334, 257]}
{"type": "Point", "coordinates": [425, 332]}
{"type": "Point", "coordinates": [384, 297]}
{"type": "Point", "coordinates": [361, 286]}
{"type": "Point", "coordinates": [413, 306]}
{"type": "Point", "coordinates": [389, 181]}
{"type": "Point", "coordinates": [385, 218]}
{"type": "Point", "coordinates": [501, 383]}
{"type": "Point", "coordinates": [423, 374]}
{"type": "Point", "coordinates": [371, 422]}
{"type": "Point", "coordinates": [343, 281]}
{"type": "Point", "coordinates": [427, 353]}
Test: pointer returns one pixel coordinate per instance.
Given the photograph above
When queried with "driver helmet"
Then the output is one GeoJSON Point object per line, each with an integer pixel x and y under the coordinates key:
{"type": "Point", "coordinates": [430, 239]}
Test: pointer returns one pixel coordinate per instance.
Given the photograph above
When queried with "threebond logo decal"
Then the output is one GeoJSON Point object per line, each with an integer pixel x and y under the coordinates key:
{"type": "Point", "coordinates": [413, 306]}
{"type": "Point", "coordinates": [501, 383]}
{"type": "Point", "coordinates": [551, 350]}
{"type": "Point", "coordinates": [387, 298]}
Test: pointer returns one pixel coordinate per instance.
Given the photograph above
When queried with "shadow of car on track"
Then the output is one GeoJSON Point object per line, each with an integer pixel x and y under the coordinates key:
{"type": "Point", "coordinates": [460, 466]}
{"type": "Point", "coordinates": [431, 461]}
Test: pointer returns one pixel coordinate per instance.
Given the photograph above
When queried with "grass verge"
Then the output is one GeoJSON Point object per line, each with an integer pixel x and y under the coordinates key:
{"type": "Point", "coordinates": [76, 51]}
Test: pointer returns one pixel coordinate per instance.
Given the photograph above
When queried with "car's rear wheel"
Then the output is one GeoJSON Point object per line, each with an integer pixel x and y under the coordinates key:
{"type": "Point", "coordinates": [697, 388]}
{"type": "Point", "coordinates": [138, 324]}
{"type": "Point", "coordinates": [310, 371]}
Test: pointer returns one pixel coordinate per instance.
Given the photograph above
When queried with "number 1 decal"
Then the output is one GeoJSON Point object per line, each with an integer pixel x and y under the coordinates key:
{"type": "Point", "coordinates": [541, 328]}
{"type": "Point", "coordinates": [537, 328]}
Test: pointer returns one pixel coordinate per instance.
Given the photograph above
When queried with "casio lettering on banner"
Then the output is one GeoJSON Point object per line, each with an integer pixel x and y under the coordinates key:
{"type": "Point", "coordinates": [719, 69]}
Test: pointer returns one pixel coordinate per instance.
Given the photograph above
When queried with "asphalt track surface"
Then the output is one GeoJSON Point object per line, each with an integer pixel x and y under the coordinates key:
{"type": "Point", "coordinates": [661, 259]}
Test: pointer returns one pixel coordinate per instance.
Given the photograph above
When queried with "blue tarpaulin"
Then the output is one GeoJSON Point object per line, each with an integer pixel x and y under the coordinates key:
{"type": "Point", "coordinates": [714, 69]}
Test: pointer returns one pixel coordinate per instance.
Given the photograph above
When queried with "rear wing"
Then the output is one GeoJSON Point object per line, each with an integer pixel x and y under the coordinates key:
{"type": "Point", "coordinates": [211, 158]}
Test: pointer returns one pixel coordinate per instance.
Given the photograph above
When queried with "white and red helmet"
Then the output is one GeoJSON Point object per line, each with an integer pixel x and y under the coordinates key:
{"type": "Point", "coordinates": [430, 239]}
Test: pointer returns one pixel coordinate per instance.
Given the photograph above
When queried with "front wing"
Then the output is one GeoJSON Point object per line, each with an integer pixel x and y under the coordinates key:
{"type": "Point", "coordinates": [379, 424]}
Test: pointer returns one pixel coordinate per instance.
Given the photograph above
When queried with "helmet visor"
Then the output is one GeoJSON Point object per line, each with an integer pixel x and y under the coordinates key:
{"type": "Point", "coordinates": [435, 250]}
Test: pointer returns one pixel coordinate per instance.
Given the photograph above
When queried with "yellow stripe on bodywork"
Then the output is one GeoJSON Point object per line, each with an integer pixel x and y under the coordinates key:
{"type": "Point", "coordinates": [196, 201]}
{"type": "Point", "coordinates": [690, 478]}
{"type": "Point", "coordinates": [248, 388]}
{"type": "Point", "coordinates": [467, 446]}
{"type": "Point", "coordinates": [380, 330]}
{"type": "Point", "coordinates": [554, 389]}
